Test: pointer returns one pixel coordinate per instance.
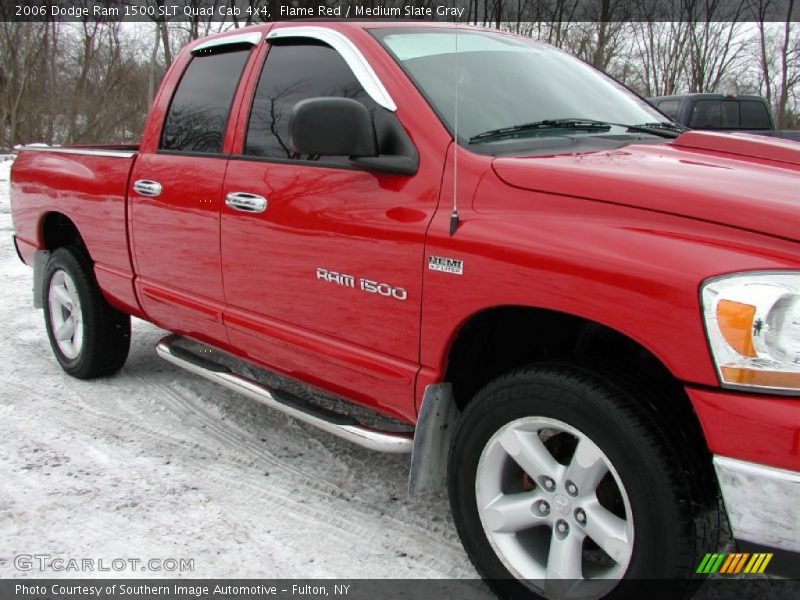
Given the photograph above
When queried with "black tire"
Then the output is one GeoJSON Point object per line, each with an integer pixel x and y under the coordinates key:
{"type": "Point", "coordinates": [673, 509]}
{"type": "Point", "coordinates": [102, 347]}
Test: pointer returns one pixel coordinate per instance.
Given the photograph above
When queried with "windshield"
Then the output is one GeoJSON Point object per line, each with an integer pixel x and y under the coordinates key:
{"type": "Point", "coordinates": [506, 81]}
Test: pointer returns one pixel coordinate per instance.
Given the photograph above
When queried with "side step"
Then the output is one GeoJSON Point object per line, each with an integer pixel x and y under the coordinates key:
{"type": "Point", "coordinates": [342, 426]}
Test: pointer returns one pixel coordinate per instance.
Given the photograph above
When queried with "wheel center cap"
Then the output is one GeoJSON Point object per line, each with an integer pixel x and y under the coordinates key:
{"type": "Point", "coordinates": [561, 504]}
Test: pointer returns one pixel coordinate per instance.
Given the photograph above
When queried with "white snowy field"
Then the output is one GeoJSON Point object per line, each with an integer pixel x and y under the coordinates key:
{"type": "Point", "coordinates": [155, 463]}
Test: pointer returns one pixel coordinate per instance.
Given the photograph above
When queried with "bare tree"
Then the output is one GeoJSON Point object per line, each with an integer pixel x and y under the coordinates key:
{"type": "Point", "coordinates": [661, 49]}
{"type": "Point", "coordinates": [151, 80]}
{"type": "Point", "coordinates": [779, 46]}
{"type": "Point", "coordinates": [715, 47]}
{"type": "Point", "coordinates": [24, 51]}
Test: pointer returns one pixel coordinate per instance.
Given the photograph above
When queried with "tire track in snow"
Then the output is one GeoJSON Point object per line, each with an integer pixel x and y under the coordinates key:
{"type": "Point", "coordinates": [328, 523]}
{"type": "Point", "coordinates": [233, 438]}
{"type": "Point", "coordinates": [229, 433]}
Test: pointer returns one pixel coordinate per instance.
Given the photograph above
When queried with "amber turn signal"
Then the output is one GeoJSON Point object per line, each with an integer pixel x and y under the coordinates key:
{"type": "Point", "coordinates": [767, 379]}
{"type": "Point", "coordinates": [735, 321]}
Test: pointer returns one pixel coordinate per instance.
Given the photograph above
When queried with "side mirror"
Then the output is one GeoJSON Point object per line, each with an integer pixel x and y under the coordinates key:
{"type": "Point", "coordinates": [332, 127]}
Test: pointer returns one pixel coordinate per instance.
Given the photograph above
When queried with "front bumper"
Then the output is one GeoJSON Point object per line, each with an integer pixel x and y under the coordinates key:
{"type": "Point", "coordinates": [763, 503]}
{"type": "Point", "coordinates": [755, 441]}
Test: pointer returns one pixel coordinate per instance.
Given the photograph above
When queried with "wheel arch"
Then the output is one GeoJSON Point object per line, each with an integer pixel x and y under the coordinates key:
{"type": "Point", "coordinates": [57, 230]}
{"type": "Point", "coordinates": [495, 340]}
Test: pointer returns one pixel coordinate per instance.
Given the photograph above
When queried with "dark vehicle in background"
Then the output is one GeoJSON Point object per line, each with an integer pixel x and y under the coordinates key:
{"type": "Point", "coordinates": [722, 113]}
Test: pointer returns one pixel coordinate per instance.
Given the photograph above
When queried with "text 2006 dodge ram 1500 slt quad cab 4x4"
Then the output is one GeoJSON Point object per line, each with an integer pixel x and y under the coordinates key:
{"type": "Point", "coordinates": [595, 326]}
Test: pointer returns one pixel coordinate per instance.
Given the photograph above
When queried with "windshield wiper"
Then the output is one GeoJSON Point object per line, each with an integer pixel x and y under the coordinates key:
{"type": "Point", "coordinates": [665, 129]}
{"type": "Point", "coordinates": [579, 124]}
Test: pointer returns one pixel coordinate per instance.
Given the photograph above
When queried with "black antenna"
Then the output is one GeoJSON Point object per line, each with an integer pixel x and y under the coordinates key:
{"type": "Point", "coordinates": [454, 214]}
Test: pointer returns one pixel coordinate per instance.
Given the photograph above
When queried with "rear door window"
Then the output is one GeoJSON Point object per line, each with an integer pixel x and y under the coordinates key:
{"type": "Point", "coordinates": [198, 114]}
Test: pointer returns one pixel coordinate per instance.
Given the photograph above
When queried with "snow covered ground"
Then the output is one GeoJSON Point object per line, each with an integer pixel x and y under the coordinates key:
{"type": "Point", "coordinates": [154, 463]}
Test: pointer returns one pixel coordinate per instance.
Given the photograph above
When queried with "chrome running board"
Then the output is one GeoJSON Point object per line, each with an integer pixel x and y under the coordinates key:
{"type": "Point", "coordinates": [340, 425]}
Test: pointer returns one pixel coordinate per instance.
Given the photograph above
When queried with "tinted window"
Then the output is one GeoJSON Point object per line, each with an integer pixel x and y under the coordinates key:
{"type": "Point", "coordinates": [753, 115]}
{"type": "Point", "coordinates": [198, 114]}
{"type": "Point", "coordinates": [294, 72]}
{"type": "Point", "coordinates": [669, 108]}
{"type": "Point", "coordinates": [715, 114]}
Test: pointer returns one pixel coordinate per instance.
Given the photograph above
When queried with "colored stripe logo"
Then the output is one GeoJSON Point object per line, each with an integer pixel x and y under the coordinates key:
{"type": "Point", "coordinates": [734, 563]}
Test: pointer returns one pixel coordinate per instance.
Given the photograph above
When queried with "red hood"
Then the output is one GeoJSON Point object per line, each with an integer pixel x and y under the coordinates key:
{"type": "Point", "coordinates": [745, 181]}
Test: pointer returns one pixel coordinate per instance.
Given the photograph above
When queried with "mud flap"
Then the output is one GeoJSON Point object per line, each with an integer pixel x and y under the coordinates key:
{"type": "Point", "coordinates": [432, 437]}
{"type": "Point", "coordinates": [40, 260]}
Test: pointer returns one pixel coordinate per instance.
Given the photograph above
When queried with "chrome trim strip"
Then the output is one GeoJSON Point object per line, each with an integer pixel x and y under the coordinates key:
{"type": "Point", "coordinates": [395, 443]}
{"type": "Point", "coordinates": [349, 52]}
{"type": "Point", "coordinates": [252, 38]}
{"type": "Point", "coordinates": [86, 152]}
{"type": "Point", "coordinates": [761, 502]}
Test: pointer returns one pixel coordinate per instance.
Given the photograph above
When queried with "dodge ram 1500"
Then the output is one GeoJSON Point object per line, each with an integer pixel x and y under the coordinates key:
{"type": "Point", "coordinates": [581, 318]}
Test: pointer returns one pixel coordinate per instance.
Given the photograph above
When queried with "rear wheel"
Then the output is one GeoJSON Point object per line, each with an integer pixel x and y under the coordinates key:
{"type": "Point", "coordinates": [563, 484]}
{"type": "Point", "coordinates": [89, 337]}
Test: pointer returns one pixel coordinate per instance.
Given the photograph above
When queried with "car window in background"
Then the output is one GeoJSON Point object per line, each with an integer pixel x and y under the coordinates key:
{"type": "Point", "coordinates": [715, 114]}
{"type": "Point", "coordinates": [291, 73]}
{"type": "Point", "coordinates": [669, 108]}
{"type": "Point", "coordinates": [753, 115]}
{"type": "Point", "coordinates": [198, 114]}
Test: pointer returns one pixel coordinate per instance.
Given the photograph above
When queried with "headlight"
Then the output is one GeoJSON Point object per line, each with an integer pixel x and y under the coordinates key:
{"type": "Point", "coordinates": [753, 325]}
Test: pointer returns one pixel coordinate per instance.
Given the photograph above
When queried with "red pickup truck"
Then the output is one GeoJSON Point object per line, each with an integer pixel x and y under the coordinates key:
{"type": "Point", "coordinates": [584, 318]}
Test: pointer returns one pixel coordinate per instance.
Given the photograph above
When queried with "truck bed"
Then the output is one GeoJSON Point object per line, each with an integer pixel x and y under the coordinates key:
{"type": "Point", "coordinates": [86, 185]}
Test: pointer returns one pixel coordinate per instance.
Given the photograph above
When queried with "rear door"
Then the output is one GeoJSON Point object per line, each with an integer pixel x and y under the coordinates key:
{"type": "Point", "coordinates": [175, 199]}
{"type": "Point", "coordinates": [323, 281]}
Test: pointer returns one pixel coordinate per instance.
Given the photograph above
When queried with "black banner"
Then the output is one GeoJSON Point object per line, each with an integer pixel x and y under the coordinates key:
{"type": "Point", "coordinates": [467, 11]}
{"type": "Point", "coordinates": [359, 589]}
{"type": "Point", "coordinates": [242, 589]}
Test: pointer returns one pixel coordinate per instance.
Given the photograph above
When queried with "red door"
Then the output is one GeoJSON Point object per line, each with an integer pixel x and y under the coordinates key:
{"type": "Point", "coordinates": [176, 195]}
{"type": "Point", "coordinates": [324, 283]}
{"type": "Point", "coordinates": [176, 242]}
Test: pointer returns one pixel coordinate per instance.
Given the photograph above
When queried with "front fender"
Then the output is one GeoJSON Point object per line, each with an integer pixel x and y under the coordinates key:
{"type": "Point", "coordinates": [635, 271]}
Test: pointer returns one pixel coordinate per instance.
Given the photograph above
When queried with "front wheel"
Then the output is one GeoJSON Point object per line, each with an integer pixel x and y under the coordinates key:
{"type": "Point", "coordinates": [563, 484]}
{"type": "Point", "coordinates": [89, 337]}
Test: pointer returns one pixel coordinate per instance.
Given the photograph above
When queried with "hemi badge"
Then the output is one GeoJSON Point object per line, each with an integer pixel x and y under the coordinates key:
{"type": "Point", "coordinates": [446, 265]}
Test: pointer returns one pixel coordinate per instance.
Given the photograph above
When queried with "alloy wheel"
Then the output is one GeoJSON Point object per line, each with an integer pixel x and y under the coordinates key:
{"type": "Point", "coordinates": [66, 318]}
{"type": "Point", "coordinates": [554, 508]}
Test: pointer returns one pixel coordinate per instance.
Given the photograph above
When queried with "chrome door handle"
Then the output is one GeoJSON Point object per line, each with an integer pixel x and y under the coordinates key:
{"type": "Point", "coordinates": [145, 187]}
{"type": "Point", "coordinates": [246, 202]}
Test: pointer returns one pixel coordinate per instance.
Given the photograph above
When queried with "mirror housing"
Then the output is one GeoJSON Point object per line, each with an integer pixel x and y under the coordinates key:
{"type": "Point", "coordinates": [332, 127]}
